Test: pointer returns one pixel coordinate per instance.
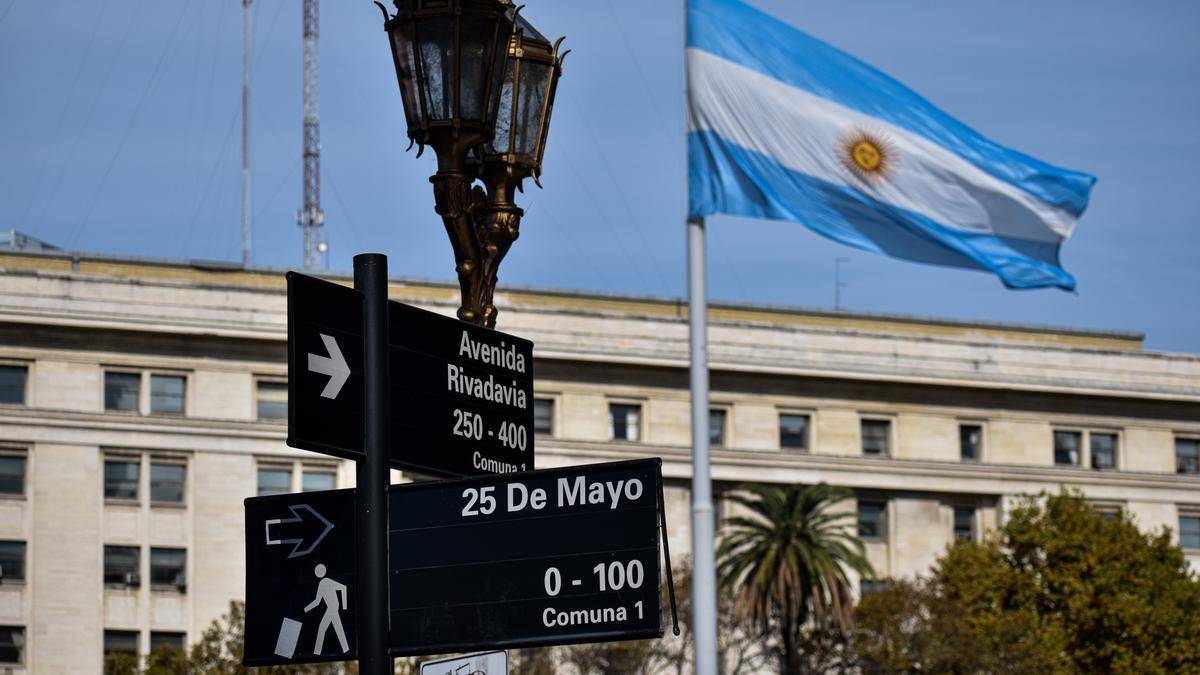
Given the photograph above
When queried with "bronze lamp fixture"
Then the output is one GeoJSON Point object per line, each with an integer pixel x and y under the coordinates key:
{"type": "Point", "coordinates": [477, 82]}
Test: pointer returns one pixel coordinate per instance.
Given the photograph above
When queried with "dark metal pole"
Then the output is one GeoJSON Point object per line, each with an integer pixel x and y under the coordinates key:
{"type": "Point", "coordinates": [370, 277]}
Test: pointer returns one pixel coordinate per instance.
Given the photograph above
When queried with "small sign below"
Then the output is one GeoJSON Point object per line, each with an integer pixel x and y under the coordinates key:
{"type": "Point", "coordinates": [488, 663]}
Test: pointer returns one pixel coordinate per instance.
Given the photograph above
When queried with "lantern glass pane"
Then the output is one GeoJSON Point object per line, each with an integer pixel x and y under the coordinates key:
{"type": "Point", "coordinates": [436, 41]}
{"type": "Point", "coordinates": [501, 70]}
{"type": "Point", "coordinates": [406, 73]}
{"type": "Point", "coordinates": [504, 114]}
{"type": "Point", "coordinates": [535, 77]}
{"type": "Point", "coordinates": [477, 53]}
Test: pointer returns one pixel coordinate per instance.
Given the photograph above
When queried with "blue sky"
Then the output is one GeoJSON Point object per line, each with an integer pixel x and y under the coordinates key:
{"type": "Point", "coordinates": [119, 133]}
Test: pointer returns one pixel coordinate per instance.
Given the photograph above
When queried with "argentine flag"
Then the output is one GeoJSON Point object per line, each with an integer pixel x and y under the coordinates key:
{"type": "Point", "coordinates": [783, 126]}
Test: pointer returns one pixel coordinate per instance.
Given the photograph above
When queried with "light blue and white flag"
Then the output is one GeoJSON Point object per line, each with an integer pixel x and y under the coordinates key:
{"type": "Point", "coordinates": [783, 126]}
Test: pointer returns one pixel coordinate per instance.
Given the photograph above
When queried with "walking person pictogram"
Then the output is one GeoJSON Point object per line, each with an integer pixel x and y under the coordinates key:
{"type": "Point", "coordinates": [333, 594]}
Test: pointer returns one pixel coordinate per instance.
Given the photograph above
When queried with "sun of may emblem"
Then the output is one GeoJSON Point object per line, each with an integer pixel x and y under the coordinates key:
{"type": "Point", "coordinates": [868, 154]}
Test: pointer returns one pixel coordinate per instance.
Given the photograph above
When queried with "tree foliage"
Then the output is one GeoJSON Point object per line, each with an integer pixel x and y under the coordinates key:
{"type": "Point", "coordinates": [909, 627]}
{"type": "Point", "coordinates": [786, 562]}
{"type": "Point", "coordinates": [1059, 589]}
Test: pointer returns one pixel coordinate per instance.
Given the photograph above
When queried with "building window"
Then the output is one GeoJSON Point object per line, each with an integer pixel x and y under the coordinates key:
{"type": "Point", "coordinates": [166, 394]}
{"type": "Point", "coordinates": [716, 427]}
{"type": "Point", "coordinates": [964, 523]}
{"type": "Point", "coordinates": [876, 437]}
{"type": "Point", "coordinates": [311, 481]}
{"type": "Point", "coordinates": [121, 478]}
{"type": "Point", "coordinates": [543, 416]}
{"type": "Point", "coordinates": [872, 522]}
{"type": "Point", "coordinates": [121, 564]}
{"type": "Point", "coordinates": [12, 474]}
{"type": "Point", "coordinates": [12, 384]}
{"type": "Point", "coordinates": [624, 421]}
{"type": "Point", "coordinates": [167, 568]}
{"type": "Point", "coordinates": [121, 391]}
{"type": "Point", "coordinates": [121, 642]}
{"type": "Point", "coordinates": [12, 561]}
{"type": "Point", "coordinates": [793, 432]}
{"type": "Point", "coordinates": [172, 640]}
{"type": "Point", "coordinates": [1189, 532]}
{"type": "Point", "coordinates": [1104, 450]}
{"type": "Point", "coordinates": [272, 400]}
{"type": "Point", "coordinates": [166, 483]}
{"type": "Point", "coordinates": [866, 586]}
{"type": "Point", "coordinates": [274, 482]}
{"type": "Point", "coordinates": [1066, 447]}
{"type": "Point", "coordinates": [12, 644]}
{"type": "Point", "coordinates": [1187, 455]}
{"type": "Point", "coordinates": [970, 441]}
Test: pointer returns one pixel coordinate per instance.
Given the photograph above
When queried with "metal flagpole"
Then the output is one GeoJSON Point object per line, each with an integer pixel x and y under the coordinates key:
{"type": "Point", "coordinates": [704, 577]}
{"type": "Point", "coordinates": [704, 574]}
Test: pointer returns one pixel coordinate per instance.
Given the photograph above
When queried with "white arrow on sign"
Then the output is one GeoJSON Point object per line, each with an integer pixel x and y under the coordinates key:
{"type": "Point", "coordinates": [333, 365]}
{"type": "Point", "coordinates": [297, 542]}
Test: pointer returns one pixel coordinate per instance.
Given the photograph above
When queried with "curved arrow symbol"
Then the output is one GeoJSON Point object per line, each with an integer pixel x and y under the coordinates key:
{"type": "Point", "coordinates": [333, 365]}
{"type": "Point", "coordinates": [296, 543]}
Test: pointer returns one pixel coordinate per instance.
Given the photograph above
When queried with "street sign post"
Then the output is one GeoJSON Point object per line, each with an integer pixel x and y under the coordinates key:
{"type": "Point", "coordinates": [548, 557]}
{"type": "Point", "coordinates": [301, 578]}
{"type": "Point", "coordinates": [511, 557]}
{"type": "Point", "coordinates": [461, 396]}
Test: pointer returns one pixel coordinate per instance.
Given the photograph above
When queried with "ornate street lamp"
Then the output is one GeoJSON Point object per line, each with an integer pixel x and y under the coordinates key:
{"type": "Point", "coordinates": [477, 82]}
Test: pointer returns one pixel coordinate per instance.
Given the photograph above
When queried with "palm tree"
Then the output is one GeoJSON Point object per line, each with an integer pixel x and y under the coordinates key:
{"type": "Point", "coordinates": [786, 562]}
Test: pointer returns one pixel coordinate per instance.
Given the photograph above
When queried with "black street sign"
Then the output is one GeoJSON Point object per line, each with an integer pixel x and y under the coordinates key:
{"type": "Point", "coordinates": [548, 557]}
{"type": "Point", "coordinates": [301, 578]}
{"type": "Point", "coordinates": [461, 396]}
{"type": "Point", "coordinates": [325, 367]}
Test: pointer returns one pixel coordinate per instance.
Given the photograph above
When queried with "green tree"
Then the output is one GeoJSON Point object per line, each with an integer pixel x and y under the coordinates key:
{"type": "Point", "coordinates": [120, 663]}
{"type": "Point", "coordinates": [166, 660]}
{"type": "Point", "coordinates": [785, 562]}
{"type": "Point", "coordinates": [1059, 589]}
{"type": "Point", "coordinates": [909, 627]}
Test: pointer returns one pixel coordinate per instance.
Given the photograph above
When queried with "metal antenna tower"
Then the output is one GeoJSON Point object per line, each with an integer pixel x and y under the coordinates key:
{"type": "Point", "coordinates": [311, 217]}
{"type": "Point", "coordinates": [245, 133]}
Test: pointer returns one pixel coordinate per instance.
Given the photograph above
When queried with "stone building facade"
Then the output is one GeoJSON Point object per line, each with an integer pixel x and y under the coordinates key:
{"type": "Point", "coordinates": [142, 401]}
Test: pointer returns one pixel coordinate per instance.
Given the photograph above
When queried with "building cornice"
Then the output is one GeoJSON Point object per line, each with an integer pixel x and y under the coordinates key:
{"type": "Point", "coordinates": [222, 275]}
{"type": "Point", "coordinates": [893, 474]}
{"type": "Point", "coordinates": [191, 300]}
